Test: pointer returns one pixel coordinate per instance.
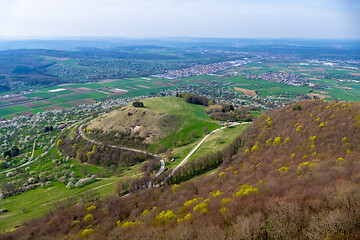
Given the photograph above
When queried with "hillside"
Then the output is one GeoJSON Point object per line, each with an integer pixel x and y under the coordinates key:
{"type": "Point", "coordinates": [142, 122]}
{"type": "Point", "coordinates": [293, 174]}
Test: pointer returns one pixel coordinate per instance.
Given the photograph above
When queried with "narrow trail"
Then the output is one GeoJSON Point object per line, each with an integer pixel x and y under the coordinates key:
{"type": "Point", "coordinates": [162, 162]}
{"type": "Point", "coordinates": [192, 152]}
{"type": "Point", "coordinates": [150, 184]}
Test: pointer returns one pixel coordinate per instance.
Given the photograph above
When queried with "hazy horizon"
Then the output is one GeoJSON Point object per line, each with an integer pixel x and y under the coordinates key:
{"type": "Point", "coordinates": [258, 19]}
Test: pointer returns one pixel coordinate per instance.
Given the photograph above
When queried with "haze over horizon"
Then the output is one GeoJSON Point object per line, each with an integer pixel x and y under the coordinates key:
{"type": "Point", "coordinates": [323, 19]}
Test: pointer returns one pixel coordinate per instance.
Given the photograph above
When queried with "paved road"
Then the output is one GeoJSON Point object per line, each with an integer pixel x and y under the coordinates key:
{"type": "Point", "coordinates": [192, 152]}
{"type": "Point", "coordinates": [162, 162]}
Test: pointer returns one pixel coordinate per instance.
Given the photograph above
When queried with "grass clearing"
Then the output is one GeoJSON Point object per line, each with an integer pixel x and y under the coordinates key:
{"type": "Point", "coordinates": [219, 140]}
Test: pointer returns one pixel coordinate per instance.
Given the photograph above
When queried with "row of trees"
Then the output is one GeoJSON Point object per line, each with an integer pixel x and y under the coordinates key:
{"type": "Point", "coordinates": [206, 163]}
{"type": "Point", "coordinates": [226, 112]}
{"type": "Point", "coordinates": [194, 99]}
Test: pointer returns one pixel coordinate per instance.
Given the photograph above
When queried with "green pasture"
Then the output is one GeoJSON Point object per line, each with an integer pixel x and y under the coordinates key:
{"type": "Point", "coordinates": [12, 110]}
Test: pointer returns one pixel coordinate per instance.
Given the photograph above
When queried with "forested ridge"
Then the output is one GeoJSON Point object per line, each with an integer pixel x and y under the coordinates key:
{"type": "Point", "coordinates": [293, 174]}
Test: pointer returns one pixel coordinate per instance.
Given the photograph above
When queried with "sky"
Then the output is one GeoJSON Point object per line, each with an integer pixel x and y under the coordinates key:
{"type": "Point", "coordinates": [315, 19]}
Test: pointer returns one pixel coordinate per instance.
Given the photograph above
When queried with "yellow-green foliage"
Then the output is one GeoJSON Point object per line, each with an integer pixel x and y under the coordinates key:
{"type": "Point", "coordinates": [322, 124]}
{"type": "Point", "coordinates": [218, 193]}
{"type": "Point", "coordinates": [92, 207]}
{"type": "Point", "coordinates": [192, 201]}
{"type": "Point", "coordinates": [87, 232]}
{"type": "Point", "coordinates": [318, 119]}
{"type": "Point", "coordinates": [13, 230]}
{"type": "Point", "coordinates": [73, 223]}
{"type": "Point", "coordinates": [312, 146]}
{"type": "Point", "coordinates": [225, 201]}
{"type": "Point", "coordinates": [94, 147]}
{"type": "Point", "coordinates": [287, 140]}
{"type": "Point", "coordinates": [313, 138]}
{"type": "Point", "coordinates": [175, 188]}
{"type": "Point", "coordinates": [348, 151]}
{"type": "Point", "coordinates": [283, 170]}
{"type": "Point", "coordinates": [118, 223]}
{"type": "Point", "coordinates": [261, 181]}
{"type": "Point", "coordinates": [341, 159]}
{"type": "Point", "coordinates": [88, 155]}
{"type": "Point", "coordinates": [145, 212]}
{"type": "Point", "coordinates": [165, 217]}
{"type": "Point", "coordinates": [201, 207]}
{"type": "Point", "coordinates": [247, 151]}
{"type": "Point", "coordinates": [89, 217]}
{"type": "Point", "coordinates": [269, 141]}
{"type": "Point", "coordinates": [51, 222]}
{"type": "Point", "coordinates": [277, 141]}
{"type": "Point", "coordinates": [332, 116]}
{"type": "Point", "coordinates": [269, 122]}
{"type": "Point", "coordinates": [305, 165]}
{"type": "Point", "coordinates": [221, 174]}
{"type": "Point", "coordinates": [293, 155]}
{"type": "Point", "coordinates": [254, 148]}
{"type": "Point", "coordinates": [235, 172]}
{"type": "Point", "coordinates": [344, 139]}
{"type": "Point", "coordinates": [186, 218]}
{"type": "Point", "coordinates": [298, 129]}
{"type": "Point", "coordinates": [297, 124]}
{"type": "Point", "coordinates": [129, 224]}
{"type": "Point", "coordinates": [59, 142]}
{"type": "Point", "coordinates": [246, 190]}
{"type": "Point", "coordinates": [224, 210]}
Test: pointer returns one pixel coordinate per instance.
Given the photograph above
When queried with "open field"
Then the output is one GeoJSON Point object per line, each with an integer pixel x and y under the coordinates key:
{"type": "Point", "coordinates": [73, 94]}
{"type": "Point", "coordinates": [37, 202]}
{"type": "Point", "coordinates": [219, 140]}
{"type": "Point", "coordinates": [68, 95]}
{"type": "Point", "coordinates": [246, 91]}
{"type": "Point", "coordinates": [344, 90]}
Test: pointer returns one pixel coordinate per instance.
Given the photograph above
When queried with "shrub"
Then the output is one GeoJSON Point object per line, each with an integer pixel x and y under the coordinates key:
{"type": "Point", "coordinates": [92, 207]}
{"type": "Point", "coordinates": [277, 141]}
{"type": "Point", "coordinates": [283, 170]}
{"type": "Point", "coordinates": [218, 193]}
{"type": "Point", "coordinates": [225, 201]}
{"type": "Point", "coordinates": [201, 207]}
{"type": "Point", "coordinates": [190, 202]}
{"type": "Point", "coordinates": [73, 223]}
{"type": "Point", "coordinates": [87, 232]}
{"type": "Point", "coordinates": [247, 190]}
{"type": "Point", "coordinates": [254, 148]}
{"type": "Point", "coordinates": [59, 142]}
{"type": "Point", "coordinates": [89, 217]}
{"type": "Point", "coordinates": [129, 224]}
{"type": "Point", "coordinates": [165, 217]}
{"type": "Point", "coordinates": [138, 104]}
{"type": "Point", "coordinates": [175, 188]}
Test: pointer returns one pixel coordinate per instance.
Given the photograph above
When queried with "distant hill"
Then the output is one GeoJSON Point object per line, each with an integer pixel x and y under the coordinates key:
{"type": "Point", "coordinates": [293, 175]}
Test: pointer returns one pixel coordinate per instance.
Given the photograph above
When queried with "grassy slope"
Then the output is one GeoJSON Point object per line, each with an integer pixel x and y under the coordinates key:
{"type": "Point", "coordinates": [192, 117]}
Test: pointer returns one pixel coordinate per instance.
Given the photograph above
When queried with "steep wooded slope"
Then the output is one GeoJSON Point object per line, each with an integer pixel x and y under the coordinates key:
{"type": "Point", "coordinates": [295, 175]}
